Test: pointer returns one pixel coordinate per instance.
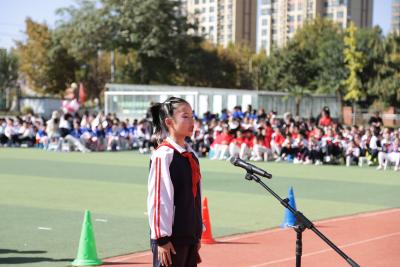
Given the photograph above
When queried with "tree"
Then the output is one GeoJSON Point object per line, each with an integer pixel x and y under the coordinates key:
{"type": "Point", "coordinates": [43, 61]}
{"type": "Point", "coordinates": [386, 85]}
{"type": "Point", "coordinates": [83, 29]}
{"type": "Point", "coordinates": [8, 69]}
{"type": "Point", "coordinates": [321, 41]}
{"type": "Point", "coordinates": [87, 36]}
{"type": "Point", "coordinates": [155, 29]}
{"type": "Point", "coordinates": [314, 57]}
{"type": "Point", "coordinates": [257, 69]}
{"type": "Point", "coordinates": [8, 72]}
{"type": "Point", "coordinates": [355, 61]}
{"type": "Point", "coordinates": [370, 42]}
{"type": "Point", "coordinates": [206, 65]}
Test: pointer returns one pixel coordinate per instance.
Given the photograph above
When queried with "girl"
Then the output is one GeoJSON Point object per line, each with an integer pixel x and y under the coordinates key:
{"type": "Point", "coordinates": [174, 195]}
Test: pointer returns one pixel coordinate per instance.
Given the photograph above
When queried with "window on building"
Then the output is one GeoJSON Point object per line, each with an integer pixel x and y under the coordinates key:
{"type": "Point", "coordinates": [196, 2]}
{"type": "Point", "coordinates": [266, 2]}
{"type": "Point", "coordinates": [340, 15]}
{"type": "Point", "coordinates": [264, 33]}
{"type": "Point", "coordinates": [264, 22]}
{"type": "Point", "coordinates": [299, 18]}
{"type": "Point", "coordinates": [264, 11]}
{"type": "Point", "coordinates": [291, 18]}
{"type": "Point", "coordinates": [211, 19]}
{"type": "Point", "coordinates": [300, 6]}
{"type": "Point", "coordinates": [211, 9]}
{"type": "Point", "coordinates": [290, 7]}
{"type": "Point", "coordinates": [264, 44]}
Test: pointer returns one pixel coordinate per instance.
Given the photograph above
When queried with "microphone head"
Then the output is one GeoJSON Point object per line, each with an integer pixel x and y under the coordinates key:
{"type": "Point", "coordinates": [234, 160]}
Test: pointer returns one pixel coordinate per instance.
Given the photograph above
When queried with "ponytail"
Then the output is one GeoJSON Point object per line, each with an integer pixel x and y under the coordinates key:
{"type": "Point", "coordinates": [158, 115]}
{"type": "Point", "coordinates": [161, 111]}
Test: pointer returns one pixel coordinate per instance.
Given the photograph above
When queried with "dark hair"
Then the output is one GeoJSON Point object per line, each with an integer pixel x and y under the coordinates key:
{"type": "Point", "coordinates": [161, 111]}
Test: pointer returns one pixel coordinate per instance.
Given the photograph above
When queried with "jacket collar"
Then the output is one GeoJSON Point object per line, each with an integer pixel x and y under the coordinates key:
{"type": "Point", "coordinates": [175, 145]}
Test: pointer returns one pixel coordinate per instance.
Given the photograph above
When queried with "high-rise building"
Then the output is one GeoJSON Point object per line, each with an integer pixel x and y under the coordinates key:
{"type": "Point", "coordinates": [278, 20]}
{"type": "Point", "coordinates": [396, 16]}
{"type": "Point", "coordinates": [225, 21]}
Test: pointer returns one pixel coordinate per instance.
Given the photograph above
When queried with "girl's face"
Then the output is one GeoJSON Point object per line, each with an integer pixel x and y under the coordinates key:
{"type": "Point", "coordinates": [182, 123]}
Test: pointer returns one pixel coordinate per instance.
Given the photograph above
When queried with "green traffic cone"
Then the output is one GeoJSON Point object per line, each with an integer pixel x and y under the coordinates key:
{"type": "Point", "coordinates": [87, 255]}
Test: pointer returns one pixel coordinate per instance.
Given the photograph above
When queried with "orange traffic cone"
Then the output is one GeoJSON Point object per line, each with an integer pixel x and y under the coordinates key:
{"type": "Point", "coordinates": [206, 237]}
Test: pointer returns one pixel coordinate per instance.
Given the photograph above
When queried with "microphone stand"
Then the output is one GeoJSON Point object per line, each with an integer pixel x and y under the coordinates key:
{"type": "Point", "coordinates": [302, 223]}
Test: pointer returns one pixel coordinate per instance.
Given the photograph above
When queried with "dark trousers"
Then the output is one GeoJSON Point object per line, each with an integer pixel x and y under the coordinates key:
{"type": "Point", "coordinates": [186, 256]}
{"type": "Point", "coordinates": [374, 154]}
{"type": "Point", "coordinates": [314, 155]}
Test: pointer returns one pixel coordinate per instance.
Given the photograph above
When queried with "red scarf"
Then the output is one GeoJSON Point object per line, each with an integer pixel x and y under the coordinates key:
{"type": "Point", "coordinates": [193, 165]}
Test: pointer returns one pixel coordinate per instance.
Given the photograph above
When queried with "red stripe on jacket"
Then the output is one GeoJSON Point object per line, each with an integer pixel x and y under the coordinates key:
{"type": "Point", "coordinates": [159, 180]}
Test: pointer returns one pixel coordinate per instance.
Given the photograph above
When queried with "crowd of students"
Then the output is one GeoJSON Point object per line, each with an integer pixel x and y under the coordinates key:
{"type": "Point", "coordinates": [251, 135]}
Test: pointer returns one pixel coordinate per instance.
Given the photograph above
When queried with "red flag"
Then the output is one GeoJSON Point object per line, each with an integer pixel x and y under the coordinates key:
{"type": "Point", "coordinates": [82, 94]}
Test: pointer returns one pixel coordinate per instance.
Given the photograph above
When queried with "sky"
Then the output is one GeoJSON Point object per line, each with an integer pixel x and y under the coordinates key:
{"type": "Point", "coordinates": [14, 12]}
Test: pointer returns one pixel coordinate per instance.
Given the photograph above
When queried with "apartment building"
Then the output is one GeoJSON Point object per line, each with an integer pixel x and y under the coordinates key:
{"type": "Point", "coordinates": [278, 20]}
{"type": "Point", "coordinates": [225, 21]}
{"type": "Point", "coordinates": [395, 24]}
{"type": "Point", "coordinates": [265, 24]}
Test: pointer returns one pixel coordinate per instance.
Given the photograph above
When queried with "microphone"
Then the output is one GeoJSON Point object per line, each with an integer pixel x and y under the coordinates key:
{"type": "Point", "coordinates": [250, 168]}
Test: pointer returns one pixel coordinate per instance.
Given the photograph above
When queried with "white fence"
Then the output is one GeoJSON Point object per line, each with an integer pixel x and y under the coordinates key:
{"type": "Point", "coordinates": [133, 100]}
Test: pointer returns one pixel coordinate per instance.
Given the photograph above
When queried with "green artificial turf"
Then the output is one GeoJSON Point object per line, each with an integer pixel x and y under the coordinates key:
{"type": "Point", "coordinates": [43, 196]}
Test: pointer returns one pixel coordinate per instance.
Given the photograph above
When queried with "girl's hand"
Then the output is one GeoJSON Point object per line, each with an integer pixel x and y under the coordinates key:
{"type": "Point", "coordinates": [164, 254]}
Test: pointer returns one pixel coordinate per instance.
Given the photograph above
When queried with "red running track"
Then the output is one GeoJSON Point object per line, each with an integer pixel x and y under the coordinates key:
{"type": "Point", "coordinates": [371, 239]}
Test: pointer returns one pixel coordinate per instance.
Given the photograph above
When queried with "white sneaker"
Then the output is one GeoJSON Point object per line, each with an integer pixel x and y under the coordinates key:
{"type": "Point", "coordinates": [297, 161]}
{"type": "Point", "coordinates": [258, 159]}
{"type": "Point", "coordinates": [307, 162]}
{"type": "Point", "coordinates": [318, 162]}
{"type": "Point", "coordinates": [379, 167]}
{"type": "Point", "coordinates": [396, 168]}
{"type": "Point", "coordinates": [278, 159]}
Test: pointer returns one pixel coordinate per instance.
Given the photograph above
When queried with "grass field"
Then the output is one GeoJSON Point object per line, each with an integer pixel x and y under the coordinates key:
{"type": "Point", "coordinates": [43, 196]}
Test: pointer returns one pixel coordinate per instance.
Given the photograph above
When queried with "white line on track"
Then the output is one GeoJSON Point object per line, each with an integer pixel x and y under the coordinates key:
{"type": "Point", "coordinates": [136, 255]}
{"type": "Point", "coordinates": [243, 236]}
{"type": "Point", "coordinates": [327, 250]}
{"type": "Point", "coordinates": [44, 228]}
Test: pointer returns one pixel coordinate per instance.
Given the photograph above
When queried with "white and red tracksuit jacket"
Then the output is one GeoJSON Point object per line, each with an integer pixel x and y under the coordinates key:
{"type": "Point", "coordinates": [174, 213]}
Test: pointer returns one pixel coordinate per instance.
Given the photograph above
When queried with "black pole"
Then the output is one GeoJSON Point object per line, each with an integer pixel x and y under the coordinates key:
{"type": "Point", "coordinates": [299, 243]}
{"type": "Point", "coordinates": [302, 222]}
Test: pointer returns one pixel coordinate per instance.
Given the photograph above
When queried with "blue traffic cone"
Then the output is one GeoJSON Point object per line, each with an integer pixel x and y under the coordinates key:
{"type": "Point", "coordinates": [290, 219]}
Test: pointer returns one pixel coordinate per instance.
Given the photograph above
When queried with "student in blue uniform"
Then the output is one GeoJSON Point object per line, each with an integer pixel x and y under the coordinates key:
{"type": "Point", "coordinates": [174, 193]}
